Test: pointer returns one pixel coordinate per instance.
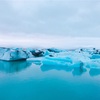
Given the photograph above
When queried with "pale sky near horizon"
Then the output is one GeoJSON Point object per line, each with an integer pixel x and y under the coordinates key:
{"type": "Point", "coordinates": [53, 22]}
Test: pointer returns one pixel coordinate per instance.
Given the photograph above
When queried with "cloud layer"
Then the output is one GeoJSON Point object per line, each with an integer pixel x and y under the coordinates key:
{"type": "Point", "coordinates": [47, 41]}
{"type": "Point", "coordinates": [59, 17]}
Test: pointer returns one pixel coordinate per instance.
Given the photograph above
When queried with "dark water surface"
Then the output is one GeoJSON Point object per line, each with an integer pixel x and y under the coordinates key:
{"type": "Point", "coordinates": [27, 81]}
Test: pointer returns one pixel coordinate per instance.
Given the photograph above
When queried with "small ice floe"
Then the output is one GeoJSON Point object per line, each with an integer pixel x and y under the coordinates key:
{"type": "Point", "coordinates": [95, 56]}
{"type": "Point", "coordinates": [93, 64]}
{"type": "Point", "coordinates": [54, 50]}
{"type": "Point", "coordinates": [35, 60]}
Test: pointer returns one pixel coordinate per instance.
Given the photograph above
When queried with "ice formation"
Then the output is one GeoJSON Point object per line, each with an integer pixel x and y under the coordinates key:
{"type": "Point", "coordinates": [76, 60]}
{"type": "Point", "coordinates": [60, 59]}
{"type": "Point", "coordinates": [11, 54]}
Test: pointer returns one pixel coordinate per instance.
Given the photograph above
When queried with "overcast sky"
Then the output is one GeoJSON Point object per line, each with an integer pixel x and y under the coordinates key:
{"type": "Point", "coordinates": [50, 23]}
{"type": "Point", "coordinates": [53, 17]}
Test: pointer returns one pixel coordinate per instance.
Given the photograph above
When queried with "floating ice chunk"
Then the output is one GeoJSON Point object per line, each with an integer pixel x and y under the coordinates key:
{"type": "Point", "coordinates": [78, 64]}
{"type": "Point", "coordinates": [60, 65]}
{"type": "Point", "coordinates": [51, 61]}
{"type": "Point", "coordinates": [94, 63]}
{"type": "Point", "coordinates": [61, 59]}
{"type": "Point", "coordinates": [37, 61]}
{"type": "Point", "coordinates": [37, 53]}
{"type": "Point", "coordinates": [2, 51]}
{"type": "Point", "coordinates": [95, 56]}
{"type": "Point", "coordinates": [29, 54]}
{"type": "Point", "coordinates": [54, 63]}
{"type": "Point", "coordinates": [13, 54]}
{"type": "Point", "coordinates": [75, 56]}
{"type": "Point", "coordinates": [54, 50]}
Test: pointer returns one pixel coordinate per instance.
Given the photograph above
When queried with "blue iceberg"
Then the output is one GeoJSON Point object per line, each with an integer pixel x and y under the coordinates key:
{"type": "Point", "coordinates": [74, 58]}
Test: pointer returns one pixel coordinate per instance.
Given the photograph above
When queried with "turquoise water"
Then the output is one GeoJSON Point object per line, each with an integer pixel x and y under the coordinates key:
{"type": "Point", "coordinates": [27, 81]}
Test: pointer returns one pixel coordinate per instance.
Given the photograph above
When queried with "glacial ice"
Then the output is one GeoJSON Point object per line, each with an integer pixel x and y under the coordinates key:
{"type": "Point", "coordinates": [12, 54]}
{"type": "Point", "coordinates": [95, 56]}
{"type": "Point", "coordinates": [80, 58]}
{"type": "Point", "coordinates": [74, 61]}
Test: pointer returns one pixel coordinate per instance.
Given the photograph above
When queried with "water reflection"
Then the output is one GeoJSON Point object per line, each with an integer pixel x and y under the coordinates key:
{"type": "Point", "coordinates": [78, 71]}
{"type": "Point", "coordinates": [13, 67]}
{"type": "Point", "coordinates": [94, 72]}
{"type": "Point", "coordinates": [17, 66]}
{"type": "Point", "coordinates": [47, 68]}
{"type": "Point", "coordinates": [75, 71]}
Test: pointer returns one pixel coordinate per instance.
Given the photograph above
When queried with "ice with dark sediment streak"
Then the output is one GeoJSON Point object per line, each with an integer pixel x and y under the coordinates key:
{"type": "Point", "coordinates": [75, 58]}
{"type": "Point", "coordinates": [12, 54]}
{"type": "Point", "coordinates": [77, 61]}
{"type": "Point", "coordinates": [78, 58]}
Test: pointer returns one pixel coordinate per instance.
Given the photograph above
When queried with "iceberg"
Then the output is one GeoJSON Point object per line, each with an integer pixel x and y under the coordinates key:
{"type": "Point", "coordinates": [54, 50]}
{"type": "Point", "coordinates": [81, 58]}
{"type": "Point", "coordinates": [94, 63]}
{"type": "Point", "coordinates": [37, 52]}
{"type": "Point", "coordinates": [12, 54]}
{"type": "Point", "coordinates": [37, 61]}
{"type": "Point", "coordinates": [63, 59]}
{"type": "Point", "coordinates": [95, 56]}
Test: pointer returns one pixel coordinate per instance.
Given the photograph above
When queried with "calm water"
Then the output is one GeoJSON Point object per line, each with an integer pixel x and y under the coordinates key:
{"type": "Point", "coordinates": [27, 81]}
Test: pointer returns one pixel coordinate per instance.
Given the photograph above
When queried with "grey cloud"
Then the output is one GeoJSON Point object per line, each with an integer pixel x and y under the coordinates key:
{"type": "Point", "coordinates": [70, 17]}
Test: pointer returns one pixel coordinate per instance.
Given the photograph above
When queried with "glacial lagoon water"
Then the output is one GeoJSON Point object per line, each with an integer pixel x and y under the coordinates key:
{"type": "Point", "coordinates": [27, 81]}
